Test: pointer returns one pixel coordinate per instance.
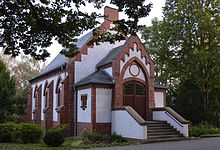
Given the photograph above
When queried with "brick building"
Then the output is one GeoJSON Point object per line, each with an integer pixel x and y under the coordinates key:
{"type": "Point", "coordinates": [106, 88]}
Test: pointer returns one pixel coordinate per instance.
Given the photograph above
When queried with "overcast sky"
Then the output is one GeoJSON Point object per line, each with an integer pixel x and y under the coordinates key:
{"type": "Point", "coordinates": [156, 11]}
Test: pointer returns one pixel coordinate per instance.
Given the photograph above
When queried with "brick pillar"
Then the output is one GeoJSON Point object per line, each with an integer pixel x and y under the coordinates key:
{"type": "Point", "coordinates": [29, 107]}
{"type": "Point", "coordinates": [49, 109]}
{"type": "Point", "coordinates": [65, 97]}
{"type": "Point", "coordinates": [37, 112]}
{"type": "Point", "coordinates": [70, 70]}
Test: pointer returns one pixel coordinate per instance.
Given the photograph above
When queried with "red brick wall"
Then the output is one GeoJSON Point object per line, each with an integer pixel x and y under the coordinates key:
{"type": "Point", "coordinates": [83, 127]}
{"type": "Point", "coordinates": [104, 128]}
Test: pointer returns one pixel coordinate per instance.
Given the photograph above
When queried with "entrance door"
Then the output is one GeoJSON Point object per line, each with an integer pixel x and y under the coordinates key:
{"type": "Point", "coordinates": [134, 96]}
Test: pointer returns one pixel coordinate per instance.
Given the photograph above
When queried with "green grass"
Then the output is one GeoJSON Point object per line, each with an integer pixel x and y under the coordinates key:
{"type": "Point", "coordinates": [69, 144]}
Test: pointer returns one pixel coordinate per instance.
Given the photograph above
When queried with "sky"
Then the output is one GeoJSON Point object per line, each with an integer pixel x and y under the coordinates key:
{"type": "Point", "coordinates": [156, 11]}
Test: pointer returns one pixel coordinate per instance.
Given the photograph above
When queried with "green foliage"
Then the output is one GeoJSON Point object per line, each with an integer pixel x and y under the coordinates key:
{"type": "Point", "coordinates": [203, 129]}
{"type": "Point", "coordinates": [117, 138]}
{"type": "Point", "coordinates": [7, 92]}
{"type": "Point", "coordinates": [9, 132]}
{"type": "Point", "coordinates": [21, 71]}
{"type": "Point", "coordinates": [53, 138]}
{"type": "Point", "coordinates": [93, 137]}
{"type": "Point", "coordinates": [30, 27]}
{"type": "Point", "coordinates": [185, 46]}
{"type": "Point", "coordinates": [30, 133]}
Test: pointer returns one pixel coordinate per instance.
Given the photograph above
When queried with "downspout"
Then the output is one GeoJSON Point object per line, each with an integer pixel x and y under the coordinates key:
{"type": "Point", "coordinates": [75, 111]}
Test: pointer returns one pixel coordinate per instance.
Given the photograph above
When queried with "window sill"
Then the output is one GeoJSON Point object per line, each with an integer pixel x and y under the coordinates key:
{"type": "Point", "coordinates": [59, 108]}
{"type": "Point", "coordinates": [45, 109]}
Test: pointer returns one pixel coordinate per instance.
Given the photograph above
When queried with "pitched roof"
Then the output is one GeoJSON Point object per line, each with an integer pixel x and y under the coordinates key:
{"type": "Point", "coordinates": [109, 58]}
{"type": "Point", "coordinates": [60, 59]}
{"type": "Point", "coordinates": [97, 77]}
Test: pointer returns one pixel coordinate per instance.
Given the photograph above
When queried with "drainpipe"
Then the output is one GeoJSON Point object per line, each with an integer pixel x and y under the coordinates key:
{"type": "Point", "coordinates": [75, 111]}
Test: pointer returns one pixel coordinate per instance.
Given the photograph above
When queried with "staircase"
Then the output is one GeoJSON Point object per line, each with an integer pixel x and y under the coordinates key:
{"type": "Point", "coordinates": [161, 131]}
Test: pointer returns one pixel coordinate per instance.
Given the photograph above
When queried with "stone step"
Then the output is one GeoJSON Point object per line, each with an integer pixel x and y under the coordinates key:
{"type": "Point", "coordinates": [165, 139]}
{"type": "Point", "coordinates": [156, 122]}
{"type": "Point", "coordinates": [163, 133]}
{"type": "Point", "coordinates": [164, 136]}
{"type": "Point", "coordinates": [160, 130]}
{"type": "Point", "coordinates": [160, 127]}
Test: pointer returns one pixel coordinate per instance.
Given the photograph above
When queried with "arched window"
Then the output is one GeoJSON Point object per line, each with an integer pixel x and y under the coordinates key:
{"type": "Point", "coordinates": [35, 98]}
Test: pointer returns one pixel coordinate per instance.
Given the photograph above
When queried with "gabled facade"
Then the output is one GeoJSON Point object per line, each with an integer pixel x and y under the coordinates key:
{"type": "Point", "coordinates": [106, 88]}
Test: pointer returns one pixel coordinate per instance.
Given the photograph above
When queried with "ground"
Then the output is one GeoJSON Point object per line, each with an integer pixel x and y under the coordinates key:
{"type": "Point", "coordinates": [199, 144]}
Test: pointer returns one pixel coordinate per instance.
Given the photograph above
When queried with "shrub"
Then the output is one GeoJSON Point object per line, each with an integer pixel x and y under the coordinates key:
{"type": "Point", "coordinates": [92, 137]}
{"type": "Point", "coordinates": [54, 137]}
{"type": "Point", "coordinates": [203, 129]}
{"type": "Point", "coordinates": [30, 133]}
{"type": "Point", "coordinates": [9, 132]}
{"type": "Point", "coordinates": [117, 138]}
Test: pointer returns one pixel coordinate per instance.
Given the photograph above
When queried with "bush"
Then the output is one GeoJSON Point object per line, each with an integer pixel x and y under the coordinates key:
{"type": "Point", "coordinates": [117, 138]}
{"type": "Point", "coordinates": [30, 133]}
{"type": "Point", "coordinates": [92, 137]}
{"type": "Point", "coordinates": [9, 132]}
{"type": "Point", "coordinates": [203, 129]}
{"type": "Point", "coordinates": [54, 137]}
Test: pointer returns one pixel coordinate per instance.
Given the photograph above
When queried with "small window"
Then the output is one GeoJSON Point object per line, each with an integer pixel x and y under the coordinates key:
{"type": "Point", "coordinates": [84, 101]}
{"type": "Point", "coordinates": [139, 90]}
{"type": "Point", "coordinates": [128, 89]}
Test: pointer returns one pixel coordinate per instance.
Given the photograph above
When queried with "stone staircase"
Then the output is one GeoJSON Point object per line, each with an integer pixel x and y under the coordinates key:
{"type": "Point", "coordinates": [161, 131]}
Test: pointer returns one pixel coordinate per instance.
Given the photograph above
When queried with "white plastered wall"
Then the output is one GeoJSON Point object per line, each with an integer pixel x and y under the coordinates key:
{"type": "Point", "coordinates": [103, 105]}
{"type": "Point", "coordinates": [125, 125]}
{"type": "Point", "coordinates": [128, 74]}
{"type": "Point", "coordinates": [162, 115]}
{"type": "Point", "coordinates": [49, 80]}
{"type": "Point", "coordinates": [88, 62]}
{"type": "Point", "coordinates": [109, 71]}
{"type": "Point", "coordinates": [159, 99]}
{"type": "Point", "coordinates": [84, 115]}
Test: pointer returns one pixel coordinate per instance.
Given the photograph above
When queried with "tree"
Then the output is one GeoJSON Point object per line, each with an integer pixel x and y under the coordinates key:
{"type": "Point", "coordinates": [190, 50]}
{"type": "Point", "coordinates": [7, 92]}
{"type": "Point", "coordinates": [21, 71]}
{"type": "Point", "coordinates": [30, 26]}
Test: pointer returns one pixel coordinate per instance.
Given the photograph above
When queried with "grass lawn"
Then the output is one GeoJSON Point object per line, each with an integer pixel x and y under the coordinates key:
{"type": "Point", "coordinates": [69, 144]}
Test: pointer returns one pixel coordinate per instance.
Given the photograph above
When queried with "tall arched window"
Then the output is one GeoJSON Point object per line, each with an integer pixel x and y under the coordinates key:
{"type": "Point", "coordinates": [35, 99]}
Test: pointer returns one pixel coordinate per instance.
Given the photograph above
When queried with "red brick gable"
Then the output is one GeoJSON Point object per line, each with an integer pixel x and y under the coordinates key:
{"type": "Point", "coordinates": [118, 74]}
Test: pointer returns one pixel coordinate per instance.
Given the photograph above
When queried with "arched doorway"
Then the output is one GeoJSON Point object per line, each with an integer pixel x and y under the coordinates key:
{"type": "Point", "coordinates": [135, 96]}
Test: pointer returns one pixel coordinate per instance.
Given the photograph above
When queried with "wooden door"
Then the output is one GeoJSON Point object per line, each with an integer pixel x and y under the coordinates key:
{"type": "Point", "coordinates": [134, 96]}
